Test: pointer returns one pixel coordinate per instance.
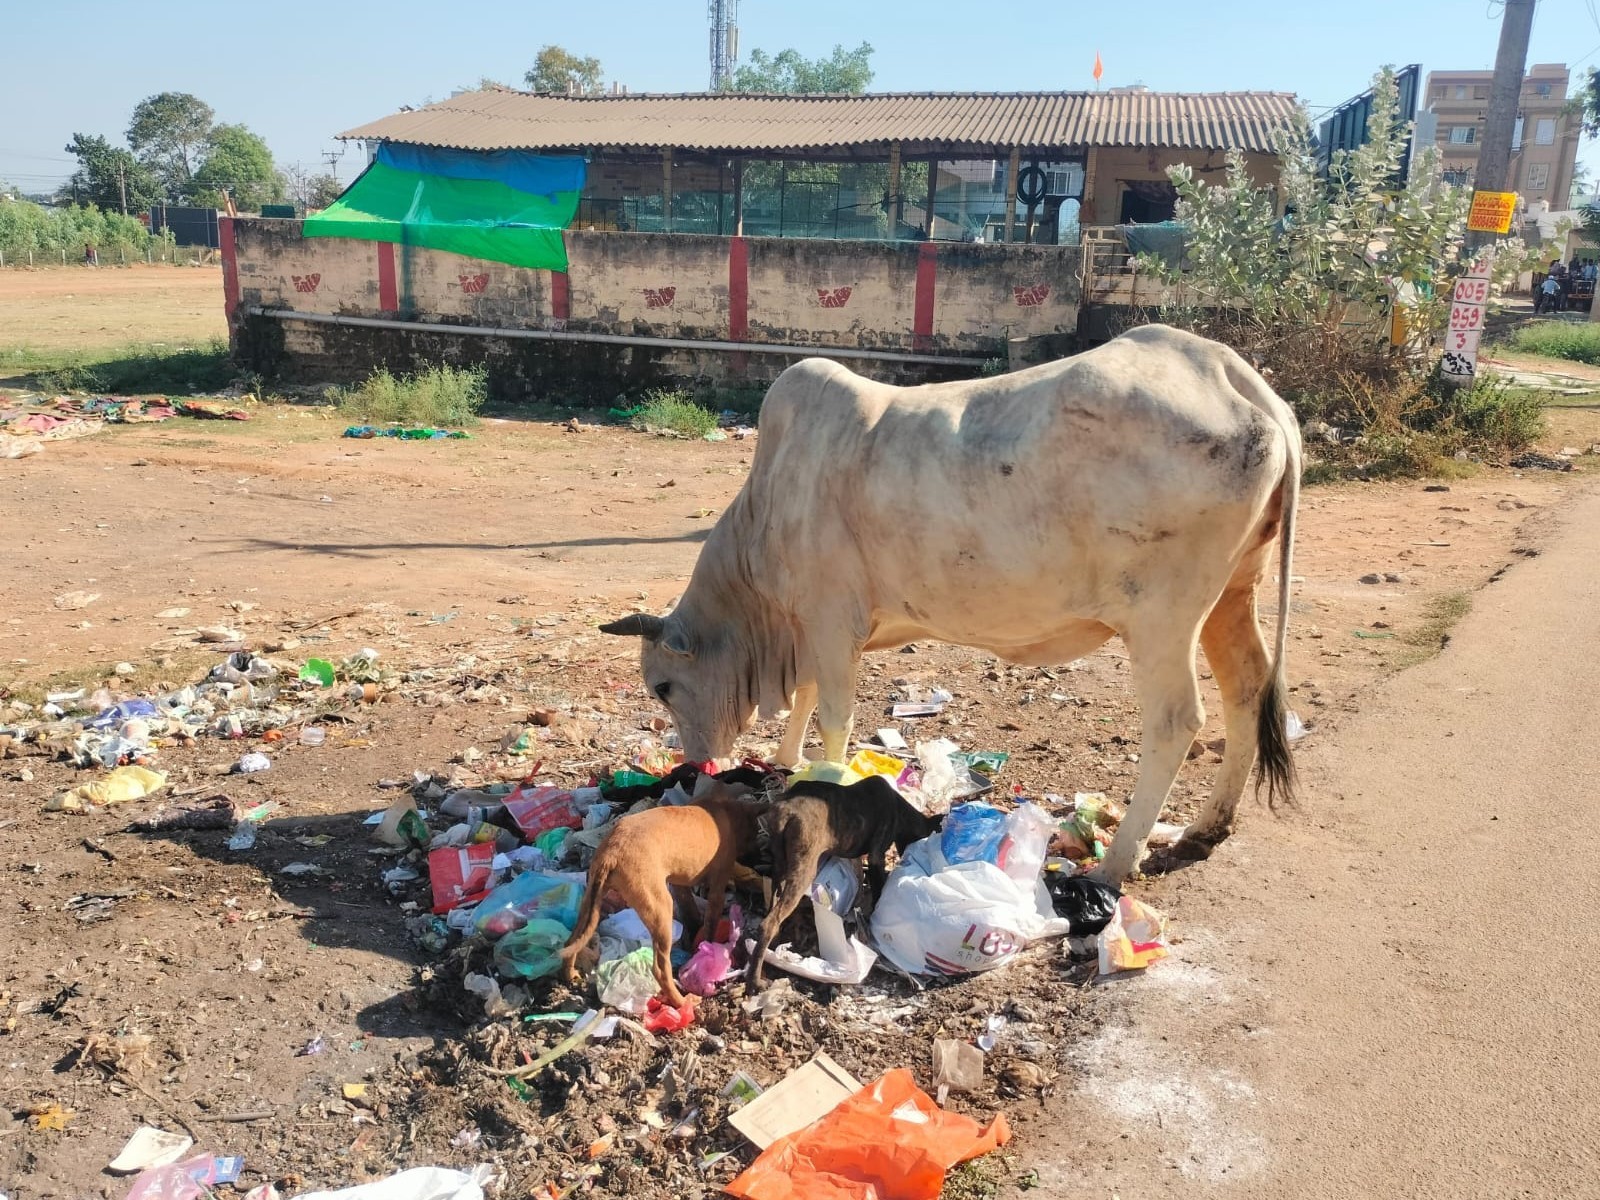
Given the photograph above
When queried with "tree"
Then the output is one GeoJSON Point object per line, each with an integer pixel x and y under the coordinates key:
{"type": "Point", "coordinates": [557, 70]}
{"type": "Point", "coordinates": [1581, 195]}
{"type": "Point", "coordinates": [168, 132]}
{"type": "Point", "coordinates": [110, 176]}
{"type": "Point", "coordinates": [311, 191]}
{"type": "Point", "coordinates": [236, 161]}
{"type": "Point", "coordinates": [843, 71]}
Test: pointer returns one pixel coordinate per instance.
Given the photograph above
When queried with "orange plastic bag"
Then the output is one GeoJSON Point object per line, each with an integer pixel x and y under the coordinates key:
{"type": "Point", "coordinates": [889, 1141]}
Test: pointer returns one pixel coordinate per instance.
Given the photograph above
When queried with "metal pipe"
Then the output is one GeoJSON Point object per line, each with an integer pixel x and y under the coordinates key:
{"type": "Point", "coordinates": [611, 339]}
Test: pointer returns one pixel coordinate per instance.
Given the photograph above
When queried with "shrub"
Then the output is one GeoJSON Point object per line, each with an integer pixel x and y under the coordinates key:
{"type": "Point", "coordinates": [1559, 339]}
{"type": "Point", "coordinates": [437, 396]}
{"type": "Point", "coordinates": [674, 413]}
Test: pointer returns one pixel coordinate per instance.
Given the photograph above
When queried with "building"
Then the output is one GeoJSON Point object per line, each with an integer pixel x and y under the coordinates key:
{"type": "Point", "coordinates": [864, 167]}
{"type": "Point", "coordinates": [1544, 141]}
{"type": "Point", "coordinates": [722, 236]}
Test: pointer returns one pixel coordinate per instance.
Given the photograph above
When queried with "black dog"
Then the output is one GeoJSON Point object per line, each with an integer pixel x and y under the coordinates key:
{"type": "Point", "coordinates": [813, 820]}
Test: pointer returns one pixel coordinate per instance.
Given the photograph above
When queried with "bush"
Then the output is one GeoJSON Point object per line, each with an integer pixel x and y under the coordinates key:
{"type": "Point", "coordinates": [1559, 339]}
{"type": "Point", "coordinates": [674, 413]}
{"type": "Point", "coordinates": [438, 396]}
{"type": "Point", "coordinates": [28, 228]}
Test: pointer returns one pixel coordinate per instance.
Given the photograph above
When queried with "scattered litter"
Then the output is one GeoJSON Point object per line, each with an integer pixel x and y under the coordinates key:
{"type": "Point", "coordinates": [419, 1183]}
{"type": "Point", "coordinates": [120, 786]}
{"type": "Point", "coordinates": [957, 1067]}
{"type": "Point", "coordinates": [49, 1116]}
{"type": "Point", "coordinates": [810, 1091]}
{"type": "Point", "coordinates": [319, 671]}
{"type": "Point", "coordinates": [1087, 904]}
{"type": "Point", "coordinates": [149, 1147]}
{"type": "Point", "coordinates": [315, 1046]}
{"type": "Point", "coordinates": [1293, 727]}
{"type": "Point", "coordinates": [1133, 939]}
{"type": "Point", "coordinates": [251, 763]}
{"type": "Point", "coordinates": [299, 869]}
{"type": "Point", "coordinates": [664, 1018]}
{"type": "Point", "coordinates": [889, 1139]}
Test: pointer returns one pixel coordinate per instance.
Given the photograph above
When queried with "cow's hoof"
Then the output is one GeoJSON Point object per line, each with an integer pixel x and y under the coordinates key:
{"type": "Point", "coordinates": [1196, 845]}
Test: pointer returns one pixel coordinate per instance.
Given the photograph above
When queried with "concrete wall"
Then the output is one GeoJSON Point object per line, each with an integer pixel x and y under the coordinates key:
{"type": "Point", "coordinates": [1110, 170]}
{"type": "Point", "coordinates": [947, 300]}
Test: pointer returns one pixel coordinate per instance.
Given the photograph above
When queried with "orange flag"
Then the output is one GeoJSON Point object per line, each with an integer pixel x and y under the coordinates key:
{"type": "Point", "coordinates": [1099, 70]}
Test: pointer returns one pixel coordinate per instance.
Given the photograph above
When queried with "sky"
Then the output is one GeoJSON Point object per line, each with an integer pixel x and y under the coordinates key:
{"type": "Point", "coordinates": [300, 74]}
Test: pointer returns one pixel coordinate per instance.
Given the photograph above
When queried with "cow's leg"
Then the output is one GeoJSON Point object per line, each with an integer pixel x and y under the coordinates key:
{"type": "Point", "coordinates": [1171, 714]}
{"type": "Point", "coordinates": [791, 750]}
{"type": "Point", "coordinates": [836, 699]}
{"type": "Point", "coordinates": [1238, 657]}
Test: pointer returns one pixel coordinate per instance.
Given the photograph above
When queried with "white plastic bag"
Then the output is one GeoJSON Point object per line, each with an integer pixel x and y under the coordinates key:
{"type": "Point", "coordinates": [937, 918]}
{"type": "Point", "coordinates": [419, 1183]}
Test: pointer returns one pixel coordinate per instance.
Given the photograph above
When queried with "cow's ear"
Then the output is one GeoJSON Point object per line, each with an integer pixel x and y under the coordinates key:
{"type": "Point", "coordinates": [636, 625]}
{"type": "Point", "coordinates": [675, 639]}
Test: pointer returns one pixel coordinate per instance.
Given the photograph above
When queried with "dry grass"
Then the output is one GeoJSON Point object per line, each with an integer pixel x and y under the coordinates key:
{"type": "Point", "coordinates": [1440, 614]}
{"type": "Point", "coordinates": [83, 311]}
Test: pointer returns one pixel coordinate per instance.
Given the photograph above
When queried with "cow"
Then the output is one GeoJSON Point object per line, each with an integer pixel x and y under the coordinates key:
{"type": "Point", "coordinates": [1134, 489]}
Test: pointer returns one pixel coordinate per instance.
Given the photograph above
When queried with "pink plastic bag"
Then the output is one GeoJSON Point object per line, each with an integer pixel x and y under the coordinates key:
{"type": "Point", "coordinates": [176, 1181]}
{"type": "Point", "coordinates": [712, 962]}
{"type": "Point", "coordinates": [663, 1018]}
{"type": "Point", "coordinates": [541, 809]}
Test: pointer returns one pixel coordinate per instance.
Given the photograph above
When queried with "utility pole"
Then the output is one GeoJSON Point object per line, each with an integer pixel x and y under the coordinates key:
{"type": "Point", "coordinates": [1505, 93]}
{"type": "Point", "coordinates": [122, 186]}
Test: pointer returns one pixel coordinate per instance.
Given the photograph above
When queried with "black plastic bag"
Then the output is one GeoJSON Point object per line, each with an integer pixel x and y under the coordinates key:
{"type": "Point", "coordinates": [1087, 904]}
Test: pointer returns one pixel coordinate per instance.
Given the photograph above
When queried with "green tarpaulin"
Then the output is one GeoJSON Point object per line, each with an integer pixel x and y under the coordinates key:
{"type": "Point", "coordinates": [504, 207]}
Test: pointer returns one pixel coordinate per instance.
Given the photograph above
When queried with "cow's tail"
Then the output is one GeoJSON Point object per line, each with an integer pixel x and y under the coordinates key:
{"type": "Point", "coordinates": [1275, 764]}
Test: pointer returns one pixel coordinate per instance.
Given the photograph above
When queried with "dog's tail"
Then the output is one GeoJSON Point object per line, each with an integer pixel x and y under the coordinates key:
{"type": "Point", "coordinates": [588, 913]}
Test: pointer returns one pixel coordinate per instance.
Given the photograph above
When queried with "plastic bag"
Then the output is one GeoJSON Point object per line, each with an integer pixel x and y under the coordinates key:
{"type": "Point", "coordinates": [663, 1018]}
{"type": "Point", "coordinates": [176, 1181]}
{"type": "Point", "coordinates": [941, 918]}
{"type": "Point", "coordinates": [972, 833]}
{"type": "Point", "coordinates": [531, 894]}
{"type": "Point", "coordinates": [1132, 941]}
{"type": "Point", "coordinates": [888, 1140]}
{"type": "Point", "coordinates": [122, 785]}
{"type": "Point", "coordinates": [825, 772]}
{"type": "Point", "coordinates": [419, 1183]}
{"type": "Point", "coordinates": [533, 951]}
{"type": "Point", "coordinates": [1087, 904]}
{"type": "Point", "coordinates": [712, 961]}
{"type": "Point", "coordinates": [1027, 838]}
{"type": "Point", "coordinates": [874, 762]}
{"type": "Point", "coordinates": [629, 982]}
{"type": "Point", "coordinates": [538, 809]}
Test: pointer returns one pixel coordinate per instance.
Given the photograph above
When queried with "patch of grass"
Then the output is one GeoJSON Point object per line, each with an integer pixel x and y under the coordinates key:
{"type": "Point", "coordinates": [976, 1179]}
{"type": "Point", "coordinates": [674, 413]}
{"type": "Point", "coordinates": [1570, 340]}
{"type": "Point", "coordinates": [440, 396]}
{"type": "Point", "coordinates": [1440, 614]}
{"type": "Point", "coordinates": [138, 370]}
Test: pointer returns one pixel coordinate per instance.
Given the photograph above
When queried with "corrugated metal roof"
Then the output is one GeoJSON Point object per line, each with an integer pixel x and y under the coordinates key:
{"type": "Point", "coordinates": [501, 119]}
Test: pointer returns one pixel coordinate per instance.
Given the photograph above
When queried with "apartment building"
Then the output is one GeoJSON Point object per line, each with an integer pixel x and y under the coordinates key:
{"type": "Point", "coordinates": [1544, 141]}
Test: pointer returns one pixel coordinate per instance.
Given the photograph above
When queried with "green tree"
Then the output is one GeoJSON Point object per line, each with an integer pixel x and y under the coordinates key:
{"type": "Point", "coordinates": [843, 71]}
{"type": "Point", "coordinates": [557, 70]}
{"type": "Point", "coordinates": [168, 132]}
{"type": "Point", "coordinates": [238, 162]}
{"type": "Point", "coordinates": [110, 177]}
{"type": "Point", "coordinates": [311, 191]}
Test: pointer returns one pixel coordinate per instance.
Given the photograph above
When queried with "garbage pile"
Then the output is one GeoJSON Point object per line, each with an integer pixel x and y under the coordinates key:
{"type": "Point", "coordinates": [492, 875]}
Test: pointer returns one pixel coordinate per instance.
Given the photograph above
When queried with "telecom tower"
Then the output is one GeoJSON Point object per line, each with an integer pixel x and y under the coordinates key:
{"type": "Point", "coordinates": [724, 16]}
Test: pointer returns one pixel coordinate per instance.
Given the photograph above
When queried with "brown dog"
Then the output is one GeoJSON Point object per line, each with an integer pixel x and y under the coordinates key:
{"type": "Point", "coordinates": [813, 820]}
{"type": "Point", "coordinates": [653, 855]}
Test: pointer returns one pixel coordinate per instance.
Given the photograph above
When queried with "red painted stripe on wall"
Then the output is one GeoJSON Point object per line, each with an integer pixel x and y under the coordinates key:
{"type": "Point", "coordinates": [738, 290]}
{"type": "Point", "coordinates": [560, 295]}
{"type": "Point", "coordinates": [230, 268]}
{"type": "Point", "coordinates": [388, 293]}
{"type": "Point", "coordinates": [922, 319]}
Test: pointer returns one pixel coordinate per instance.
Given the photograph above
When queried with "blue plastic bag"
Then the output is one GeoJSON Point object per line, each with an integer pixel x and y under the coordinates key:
{"type": "Point", "coordinates": [533, 951]}
{"type": "Point", "coordinates": [530, 895]}
{"type": "Point", "coordinates": [972, 832]}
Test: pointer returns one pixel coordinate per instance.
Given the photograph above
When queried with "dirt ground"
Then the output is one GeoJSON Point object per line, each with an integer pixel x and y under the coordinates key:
{"type": "Point", "coordinates": [482, 568]}
{"type": "Point", "coordinates": [81, 308]}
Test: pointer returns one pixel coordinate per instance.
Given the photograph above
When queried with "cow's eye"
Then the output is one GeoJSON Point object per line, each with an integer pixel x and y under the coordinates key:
{"type": "Point", "coordinates": [663, 690]}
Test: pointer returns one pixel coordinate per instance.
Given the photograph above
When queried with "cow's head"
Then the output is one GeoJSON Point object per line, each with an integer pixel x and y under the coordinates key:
{"type": "Point", "coordinates": [699, 675]}
{"type": "Point", "coordinates": [721, 654]}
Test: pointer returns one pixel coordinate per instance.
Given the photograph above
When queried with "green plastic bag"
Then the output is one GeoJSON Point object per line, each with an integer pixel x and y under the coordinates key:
{"type": "Point", "coordinates": [533, 951]}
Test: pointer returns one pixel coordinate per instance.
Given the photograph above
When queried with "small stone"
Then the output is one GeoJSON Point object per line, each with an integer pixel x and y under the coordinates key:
{"type": "Point", "coordinates": [1034, 1051]}
{"type": "Point", "coordinates": [279, 645]}
{"type": "Point", "coordinates": [1437, 487]}
{"type": "Point", "coordinates": [125, 669]}
{"type": "Point", "coordinates": [1391, 577]}
{"type": "Point", "coordinates": [1371, 577]}
{"type": "Point", "coordinates": [1021, 1012]}
{"type": "Point", "coordinates": [712, 1044]}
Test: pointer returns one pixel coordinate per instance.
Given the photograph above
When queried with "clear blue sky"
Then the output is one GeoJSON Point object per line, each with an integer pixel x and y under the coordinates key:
{"type": "Point", "coordinates": [299, 74]}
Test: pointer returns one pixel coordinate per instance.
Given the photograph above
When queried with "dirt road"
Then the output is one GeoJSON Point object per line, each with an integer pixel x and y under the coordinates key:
{"type": "Point", "coordinates": [1389, 993]}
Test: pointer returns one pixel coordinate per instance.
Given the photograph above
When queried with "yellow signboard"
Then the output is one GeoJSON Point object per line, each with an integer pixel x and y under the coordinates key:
{"type": "Point", "coordinates": [1491, 212]}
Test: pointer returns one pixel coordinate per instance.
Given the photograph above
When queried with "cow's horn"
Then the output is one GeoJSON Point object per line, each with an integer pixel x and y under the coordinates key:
{"type": "Point", "coordinates": [636, 625]}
